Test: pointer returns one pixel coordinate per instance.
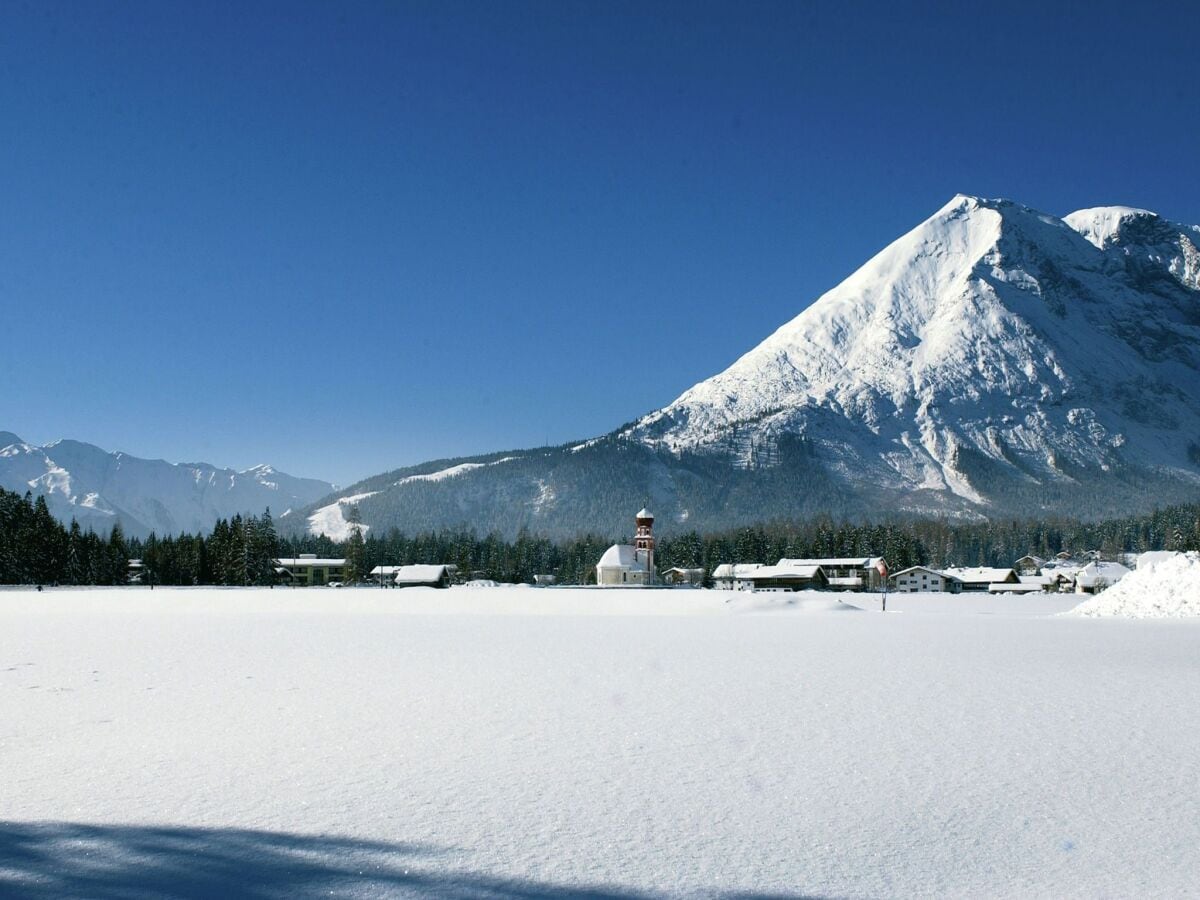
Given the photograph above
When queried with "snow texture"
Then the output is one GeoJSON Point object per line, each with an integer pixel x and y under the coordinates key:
{"type": "Point", "coordinates": [331, 520]}
{"type": "Point", "coordinates": [1159, 588]}
{"type": "Point", "coordinates": [518, 742]}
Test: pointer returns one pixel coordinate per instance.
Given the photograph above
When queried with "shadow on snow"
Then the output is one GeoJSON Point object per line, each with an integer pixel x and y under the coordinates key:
{"type": "Point", "coordinates": [131, 862]}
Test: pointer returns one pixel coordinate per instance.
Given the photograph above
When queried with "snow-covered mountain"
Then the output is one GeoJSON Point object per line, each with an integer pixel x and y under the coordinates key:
{"type": "Point", "coordinates": [995, 360]}
{"type": "Point", "coordinates": [98, 488]}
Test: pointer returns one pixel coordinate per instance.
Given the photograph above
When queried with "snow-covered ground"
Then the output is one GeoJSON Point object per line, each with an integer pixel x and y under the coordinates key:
{"type": "Point", "coordinates": [509, 742]}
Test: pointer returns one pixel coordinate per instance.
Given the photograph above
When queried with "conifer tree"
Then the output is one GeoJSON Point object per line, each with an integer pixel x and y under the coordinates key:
{"type": "Point", "coordinates": [355, 557]}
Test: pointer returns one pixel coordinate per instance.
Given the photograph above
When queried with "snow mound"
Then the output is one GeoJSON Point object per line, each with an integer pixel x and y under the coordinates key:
{"type": "Point", "coordinates": [1159, 589]}
{"type": "Point", "coordinates": [788, 601]}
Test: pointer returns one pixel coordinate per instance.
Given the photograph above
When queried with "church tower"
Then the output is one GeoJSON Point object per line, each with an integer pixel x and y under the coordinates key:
{"type": "Point", "coordinates": [643, 541]}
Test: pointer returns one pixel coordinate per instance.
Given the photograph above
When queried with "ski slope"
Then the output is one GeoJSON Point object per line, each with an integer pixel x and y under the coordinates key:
{"type": "Point", "coordinates": [515, 742]}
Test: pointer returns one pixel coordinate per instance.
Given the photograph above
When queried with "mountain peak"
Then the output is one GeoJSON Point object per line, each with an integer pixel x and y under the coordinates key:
{"type": "Point", "coordinates": [990, 362]}
{"type": "Point", "coordinates": [1103, 225]}
{"type": "Point", "coordinates": [7, 439]}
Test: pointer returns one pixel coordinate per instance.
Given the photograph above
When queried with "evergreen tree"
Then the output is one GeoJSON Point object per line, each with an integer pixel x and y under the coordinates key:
{"type": "Point", "coordinates": [356, 554]}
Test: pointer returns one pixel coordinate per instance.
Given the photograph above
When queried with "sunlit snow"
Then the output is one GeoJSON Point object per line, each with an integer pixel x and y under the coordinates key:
{"type": "Point", "coordinates": [530, 743]}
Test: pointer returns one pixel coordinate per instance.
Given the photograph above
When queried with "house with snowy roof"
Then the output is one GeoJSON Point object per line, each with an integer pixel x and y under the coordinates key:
{"type": "Point", "coordinates": [630, 565]}
{"type": "Point", "coordinates": [308, 569]}
{"type": "Point", "coordinates": [1029, 565]}
{"type": "Point", "coordinates": [435, 576]}
{"type": "Point", "coordinates": [855, 573]}
{"type": "Point", "coordinates": [1025, 584]}
{"type": "Point", "coordinates": [921, 579]}
{"type": "Point", "coordinates": [979, 579]}
{"type": "Point", "coordinates": [684, 575]}
{"type": "Point", "coordinates": [788, 576]}
{"type": "Point", "coordinates": [1096, 576]}
{"type": "Point", "coordinates": [734, 576]}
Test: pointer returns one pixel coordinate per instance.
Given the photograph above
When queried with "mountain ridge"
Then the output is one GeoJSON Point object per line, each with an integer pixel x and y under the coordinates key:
{"type": "Point", "coordinates": [99, 488]}
{"type": "Point", "coordinates": [994, 360]}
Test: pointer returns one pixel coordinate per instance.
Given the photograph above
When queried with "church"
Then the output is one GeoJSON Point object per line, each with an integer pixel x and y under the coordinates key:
{"type": "Point", "coordinates": [630, 564]}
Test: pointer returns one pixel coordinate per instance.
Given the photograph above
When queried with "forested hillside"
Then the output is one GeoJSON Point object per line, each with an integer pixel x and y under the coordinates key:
{"type": "Point", "coordinates": [36, 549]}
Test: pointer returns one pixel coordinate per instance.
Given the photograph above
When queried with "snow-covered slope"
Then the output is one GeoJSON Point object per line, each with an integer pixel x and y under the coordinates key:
{"type": "Point", "coordinates": [1141, 238]}
{"type": "Point", "coordinates": [990, 341]}
{"type": "Point", "coordinates": [83, 482]}
{"type": "Point", "coordinates": [995, 360]}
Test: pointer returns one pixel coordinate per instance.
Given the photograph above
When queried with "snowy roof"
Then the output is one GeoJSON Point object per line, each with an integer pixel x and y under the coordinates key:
{"type": "Point", "coordinates": [735, 570]}
{"type": "Point", "coordinates": [917, 569]}
{"type": "Point", "coordinates": [310, 561]}
{"type": "Point", "coordinates": [981, 575]}
{"type": "Point", "coordinates": [1020, 587]}
{"type": "Point", "coordinates": [1040, 580]}
{"type": "Point", "coordinates": [621, 556]}
{"type": "Point", "coordinates": [1097, 572]}
{"type": "Point", "coordinates": [386, 570]}
{"type": "Point", "coordinates": [784, 571]}
{"type": "Point", "coordinates": [847, 562]}
{"type": "Point", "coordinates": [419, 574]}
{"type": "Point", "coordinates": [644, 513]}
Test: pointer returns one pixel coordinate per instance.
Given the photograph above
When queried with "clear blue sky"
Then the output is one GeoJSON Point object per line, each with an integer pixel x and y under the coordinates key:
{"type": "Point", "coordinates": [341, 238]}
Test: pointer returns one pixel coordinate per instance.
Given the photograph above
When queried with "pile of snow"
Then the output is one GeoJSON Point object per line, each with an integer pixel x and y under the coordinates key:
{"type": "Point", "coordinates": [1160, 588]}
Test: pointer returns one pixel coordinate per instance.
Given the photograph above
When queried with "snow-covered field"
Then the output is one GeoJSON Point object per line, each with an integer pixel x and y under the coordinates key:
{"type": "Point", "coordinates": [511, 742]}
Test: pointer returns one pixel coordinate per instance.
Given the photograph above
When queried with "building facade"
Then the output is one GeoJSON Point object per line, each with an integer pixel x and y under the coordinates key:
{"type": "Point", "coordinates": [309, 570]}
{"type": "Point", "coordinates": [920, 579]}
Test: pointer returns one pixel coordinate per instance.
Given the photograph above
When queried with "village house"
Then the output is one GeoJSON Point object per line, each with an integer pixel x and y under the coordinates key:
{"type": "Point", "coordinates": [920, 579]}
{"type": "Point", "coordinates": [630, 565]}
{"type": "Point", "coordinates": [858, 573]}
{"type": "Point", "coordinates": [435, 576]}
{"type": "Point", "coordinates": [382, 574]}
{"type": "Point", "coordinates": [679, 576]}
{"type": "Point", "coordinates": [734, 576]}
{"type": "Point", "coordinates": [1029, 565]}
{"type": "Point", "coordinates": [1025, 584]}
{"type": "Point", "coordinates": [1096, 576]}
{"type": "Point", "coordinates": [308, 569]}
{"type": "Point", "coordinates": [787, 576]}
{"type": "Point", "coordinates": [980, 579]}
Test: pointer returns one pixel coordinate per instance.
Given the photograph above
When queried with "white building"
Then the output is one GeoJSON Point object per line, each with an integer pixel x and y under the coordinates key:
{"type": "Point", "coordinates": [919, 579]}
{"type": "Point", "coordinates": [981, 578]}
{"type": "Point", "coordinates": [630, 564]}
{"type": "Point", "coordinates": [734, 576]}
{"type": "Point", "coordinates": [308, 569]}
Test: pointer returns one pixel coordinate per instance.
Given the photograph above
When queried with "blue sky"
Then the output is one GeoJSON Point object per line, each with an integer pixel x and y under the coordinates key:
{"type": "Point", "coordinates": [342, 238]}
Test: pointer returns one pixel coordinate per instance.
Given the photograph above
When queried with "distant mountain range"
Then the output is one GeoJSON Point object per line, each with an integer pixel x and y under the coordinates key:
{"type": "Point", "coordinates": [994, 361]}
{"type": "Point", "coordinates": [98, 488]}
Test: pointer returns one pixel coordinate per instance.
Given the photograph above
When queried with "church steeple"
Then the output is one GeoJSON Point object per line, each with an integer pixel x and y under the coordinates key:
{"type": "Point", "coordinates": [643, 539]}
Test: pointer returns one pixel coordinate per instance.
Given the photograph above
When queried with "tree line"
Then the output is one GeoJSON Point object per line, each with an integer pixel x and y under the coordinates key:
{"type": "Point", "coordinates": [35, 548]}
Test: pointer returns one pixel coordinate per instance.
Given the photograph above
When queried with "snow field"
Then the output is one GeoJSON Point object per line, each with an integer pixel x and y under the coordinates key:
{"type": "Point", "coordinates": [535, 743]}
